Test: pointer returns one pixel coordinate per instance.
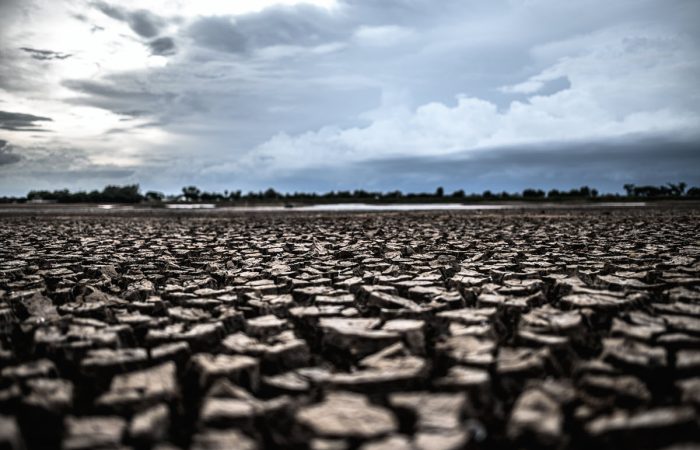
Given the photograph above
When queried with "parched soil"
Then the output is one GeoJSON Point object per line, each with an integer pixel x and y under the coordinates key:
{"type": "Point", "coordinates": [559, 329]}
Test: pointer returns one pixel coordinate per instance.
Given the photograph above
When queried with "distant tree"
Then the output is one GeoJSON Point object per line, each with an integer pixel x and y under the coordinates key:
{"type": "Point", "coordinates": [191, 193]}
{"type": "Point", "coordinates": [35, 195]}
{"type": "Point", "coordinates": [154, 196]}
{"type": "Point", "coordinates": [94, 196]}
{"type": "Point", "coordinates": [677, 190]}
{"type": "Point", "coordinates": [6, 199]}
{"type": "Point", "coordinates": [360, 193]}
{"type": "Point", "coordinates": [131, 194]}
{"type": "Point", "coordinates": [693, 192]}
{"type": "Point", "coordinates": [271, 194]}
{"type": "Point", "coordinates": [112, 194]}
{"type": "Point", "coordinates": [211, 197]}
{"type": "Point", "coordinates": [533, 193]}
{"type": "Point", "coordinates": [654, 191]}
{"type": "Point", "coordinates": [121, 194]}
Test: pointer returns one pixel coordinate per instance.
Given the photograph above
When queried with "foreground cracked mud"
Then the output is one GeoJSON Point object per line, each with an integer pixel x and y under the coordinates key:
{"type": "Point", "coordinates": [576, 329]}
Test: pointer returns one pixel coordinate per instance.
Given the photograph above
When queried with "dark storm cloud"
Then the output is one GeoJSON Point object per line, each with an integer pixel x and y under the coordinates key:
{"type": "Point", "coordinates": [309, 25]}
{"type": "Point", "coordinates": [142, 22]}
{"type": "Point", "coordinates": [218, 33]}
{"type": "Point", "coordinates": [6, 154]}
{"type": "Point", "coordinates": [282, 25]}
{"type": "Point", "coordinates": [90, 173]}
{"type": "Point", "coordinates": [111, 11]}
{"type": "Point", "coordinates": [44, 55]}
{"type": "Point", "coordinates": [54, 166]}
{"type": "Point", "coordinates": [7, 157]}
{"type": "Point", "coordinates": [162, 46]}
{"type": "Point", "coordinates": [21, 122]}
{"type": "Point", "coordinates": [132, 113]}
{"type": "Point", "coordinates": [605, 164]}
{"type": "Point", "coordinates": [120, 99]}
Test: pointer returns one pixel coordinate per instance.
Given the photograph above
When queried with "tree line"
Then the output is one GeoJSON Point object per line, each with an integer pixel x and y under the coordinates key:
{"type": "Point", "coordinates": [132, 194]}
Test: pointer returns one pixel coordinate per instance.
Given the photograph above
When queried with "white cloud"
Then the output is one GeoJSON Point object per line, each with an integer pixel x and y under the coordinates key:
{"type": "Point", "coordinates": [534, 83]}
{"type": "Point", "coordinates": [189, 8]}
{"type": "Point", "coordinates": [635, 83]}
{"type": "Point", "coordinates": [274, 52]}
{"type": "Point", "coordinates": [382, 36]}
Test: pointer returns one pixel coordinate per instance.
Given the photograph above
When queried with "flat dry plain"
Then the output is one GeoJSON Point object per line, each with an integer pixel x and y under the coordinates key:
{"type": "Point", "coordinates": [555, 329]}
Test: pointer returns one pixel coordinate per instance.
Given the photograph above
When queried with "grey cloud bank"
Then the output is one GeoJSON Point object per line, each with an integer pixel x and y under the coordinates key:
{"type": "Point", "coordinates": [43, 55]}
{"type": "Point", "coordinates": [144, 23]}
{"type": "Point", "coordinates": [162, 46]}
{"type": "Point", "coordinates": [20, 122]}
{"type": "Point", "coordinates": [7, 156]}
{"type": "Point", "coordinates": [607, 164]}
{"type": "Point", "coordinates": [393, 94]}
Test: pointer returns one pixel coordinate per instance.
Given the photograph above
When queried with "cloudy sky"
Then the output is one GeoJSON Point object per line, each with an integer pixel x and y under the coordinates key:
{"type": "Point", "coordinates": [345, 94]}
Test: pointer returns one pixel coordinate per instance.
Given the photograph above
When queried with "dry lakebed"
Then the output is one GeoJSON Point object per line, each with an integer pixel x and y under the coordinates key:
{"type": "Point", "coordinates": [551, 328]}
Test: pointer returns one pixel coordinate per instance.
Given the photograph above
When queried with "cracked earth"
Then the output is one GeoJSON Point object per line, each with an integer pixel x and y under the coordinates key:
{"type": "Point", "coordinates": [551, 329]}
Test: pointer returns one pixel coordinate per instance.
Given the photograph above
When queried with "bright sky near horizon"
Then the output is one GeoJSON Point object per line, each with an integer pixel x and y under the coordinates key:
{"type": "Point", "coordinates": [346, 94]}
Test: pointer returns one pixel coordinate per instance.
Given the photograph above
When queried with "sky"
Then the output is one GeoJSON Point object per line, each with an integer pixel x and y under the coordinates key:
{"type": "Point", "coordinates": [323, 95]}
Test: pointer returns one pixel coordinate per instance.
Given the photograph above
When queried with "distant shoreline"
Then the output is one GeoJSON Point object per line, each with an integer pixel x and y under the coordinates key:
{"type": "Point", "coordinates": [496, 203]}
{"type": "Point", "coordinates": [218, 211]}
{"type": "Point", "coordinates": [174, 208]}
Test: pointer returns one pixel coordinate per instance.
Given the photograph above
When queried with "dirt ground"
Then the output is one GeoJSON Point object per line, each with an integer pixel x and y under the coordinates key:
{"type": "Point", "coordinates": [426, 330]}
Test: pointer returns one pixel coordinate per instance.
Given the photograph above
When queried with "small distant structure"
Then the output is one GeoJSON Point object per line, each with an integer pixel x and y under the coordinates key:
{"type": "Point", "coordinates": [41, 201]}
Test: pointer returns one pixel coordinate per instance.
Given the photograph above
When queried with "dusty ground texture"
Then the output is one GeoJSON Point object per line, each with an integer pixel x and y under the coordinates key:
{"type": "Point", "coordinates": [563, 329]}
